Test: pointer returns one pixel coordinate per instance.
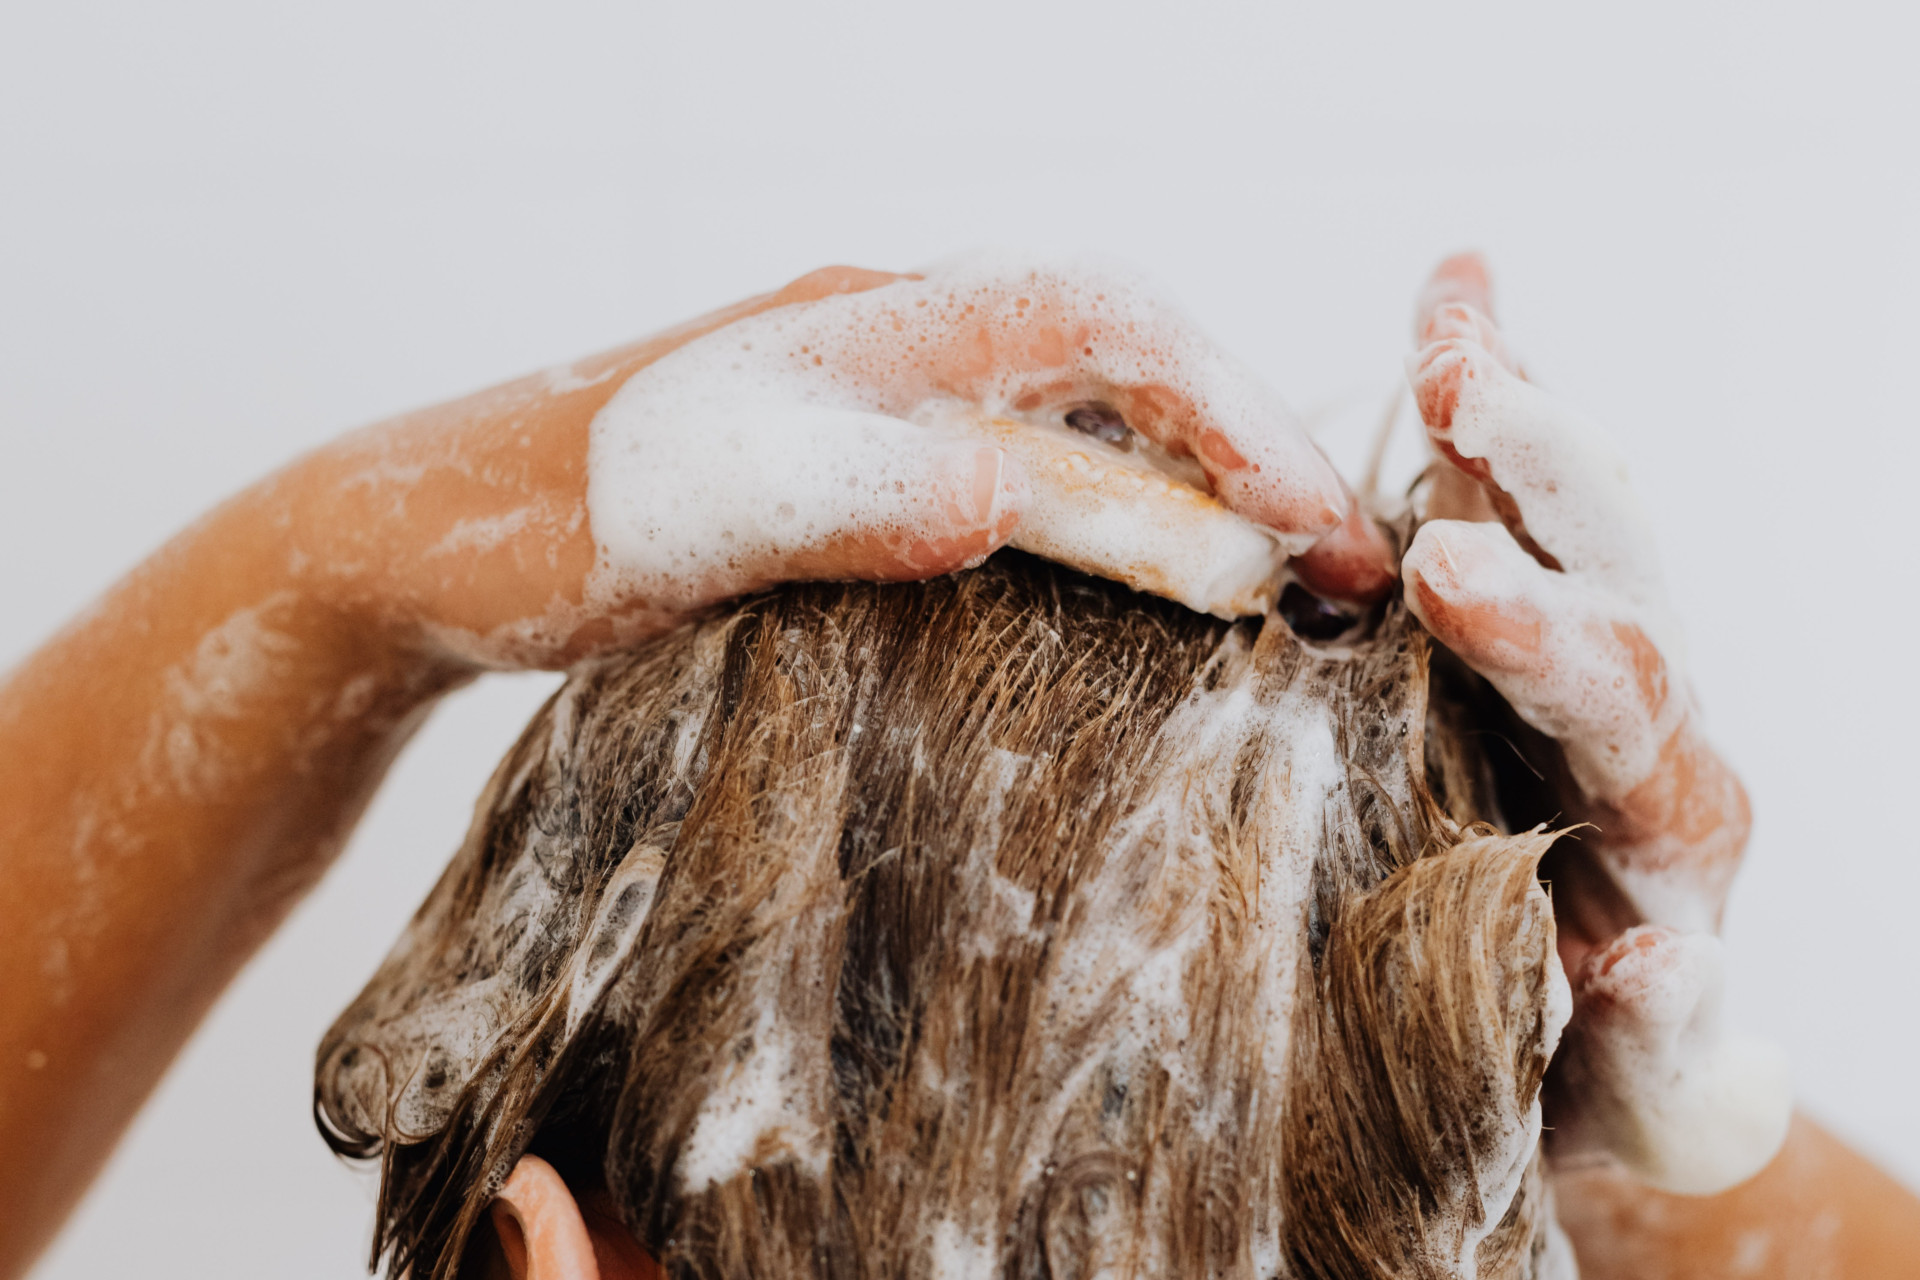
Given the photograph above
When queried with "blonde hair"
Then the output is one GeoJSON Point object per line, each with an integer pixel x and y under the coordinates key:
{"type": "Point", "coordinates": [1006, 924]}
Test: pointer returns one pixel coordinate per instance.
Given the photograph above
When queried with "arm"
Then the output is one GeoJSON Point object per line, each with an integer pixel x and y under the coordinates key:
{"type": "Point", "coordinates": [183, 761]}
{"type": "Point", "coordinates": [1819, 1209]}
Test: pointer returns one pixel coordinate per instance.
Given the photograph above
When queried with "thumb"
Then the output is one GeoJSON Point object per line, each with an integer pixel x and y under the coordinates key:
{"type": "Point", "coordinates": [830, 493]}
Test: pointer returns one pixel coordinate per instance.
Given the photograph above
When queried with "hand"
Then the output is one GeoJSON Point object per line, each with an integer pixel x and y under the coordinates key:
{"type": "Point", "coordinates": [1554, 594]}
{"type": "Point", "coordinates": [181, 763]}
{"type": "Point", "coordinates": [769, 442]}
{"type": "Point", "coordinates": [1547, 585]}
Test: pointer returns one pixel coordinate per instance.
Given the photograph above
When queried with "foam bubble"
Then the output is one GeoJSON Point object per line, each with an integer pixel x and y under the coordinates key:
{"type": "Point", "coordinates": [757, 1104]}
{"type": "Point", "coordinates": [1137, 516]}
{"type": "Point", "coordinates": [781, 432]}
{"type": "Point", "coordinates": [1579, 684]}
{"type": "Point", "coordinates": [1687, 1103]}
{"type": "Point", "coordinates": [1566, 476]}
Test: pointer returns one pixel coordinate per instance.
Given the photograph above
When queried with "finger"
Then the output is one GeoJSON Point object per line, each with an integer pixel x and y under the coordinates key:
{"type": "Point", "coordinates": [1102, 511]}
{"type": "Point", "coordinates": [1671, 817]}
{"type": "Point", "coordinates": [970, 505]}
{"type": "Point", "coordinates": [686, 518]}
{"type": "Point", "coordinates": [1457, 302]}
{"type": "Point", "coordinates": [1556, 481]}
{"type": "Point", "coordinates": [1462, 278]}
{"type": "Point", "coordinates": [1029, 339]}
{"type": "Point", "coordinates": [1558, 649]}
{"type": "Point", "coordinates": [1649, 1071]}
{"type": "Point", "coordinates": [1355, 562]}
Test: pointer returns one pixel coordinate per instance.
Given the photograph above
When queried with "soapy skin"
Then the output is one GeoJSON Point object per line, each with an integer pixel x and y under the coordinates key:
{"type": "Point", "coordinates": [1652, 1072]}
{"type": "Point", "coordinates": [182, 762]}
{"type": "Point", "coordinates": [727, 463]}
{"type": "Point", "coordinates": [1818, 1210]}
{"type": "Point", "coordinates": [1133, 514]}
{"type": "Point", "coordinates": [1549, 587]}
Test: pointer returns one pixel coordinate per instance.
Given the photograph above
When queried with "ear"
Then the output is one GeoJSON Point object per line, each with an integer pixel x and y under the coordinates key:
{"type": "Point", "coordinates": [545, 1235]}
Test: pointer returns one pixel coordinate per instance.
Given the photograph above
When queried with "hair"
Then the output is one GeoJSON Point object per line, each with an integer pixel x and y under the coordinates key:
{"type": "Point", "coordinates": [1007, 924]}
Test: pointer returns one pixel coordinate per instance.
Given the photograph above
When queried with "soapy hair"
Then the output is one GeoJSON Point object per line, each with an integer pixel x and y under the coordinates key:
{"type": "Point", "coordinates": [1009, 924]}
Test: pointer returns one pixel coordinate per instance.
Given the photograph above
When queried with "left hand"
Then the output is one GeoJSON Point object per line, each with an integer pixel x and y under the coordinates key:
{"type": "Point", "coordinates": [595, 505]}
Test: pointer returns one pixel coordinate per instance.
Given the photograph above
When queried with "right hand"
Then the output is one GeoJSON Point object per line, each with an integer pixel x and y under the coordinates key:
{"type": "Point", "coordinates": [1538, 571]}
{"type": "Point", "coordinates": [1546, 582]}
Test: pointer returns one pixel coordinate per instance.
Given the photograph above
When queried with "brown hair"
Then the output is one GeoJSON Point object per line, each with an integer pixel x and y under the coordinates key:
{"type": "Point", "coordinates": [1005, 924]}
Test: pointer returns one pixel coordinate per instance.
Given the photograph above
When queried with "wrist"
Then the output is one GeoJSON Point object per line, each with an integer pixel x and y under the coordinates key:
{"type": "Point", "coordinates": [456, 535]}
{"type": "Point", "coordinates": [317, 557]}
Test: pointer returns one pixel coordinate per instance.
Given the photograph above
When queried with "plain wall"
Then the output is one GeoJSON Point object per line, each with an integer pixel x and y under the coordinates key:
{"type": "Point", "coordinates": [229, 231]}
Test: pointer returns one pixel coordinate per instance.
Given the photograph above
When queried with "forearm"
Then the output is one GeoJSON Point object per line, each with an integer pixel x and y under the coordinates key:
{"type": "Point", "coordinates": [1818, 1209]}
{"type": "Point", "coordinates": [176, 767]}
{"type": "Point", "coordinates": [183, 761]}
{"type": "Point", "coordinates": [179, 764]}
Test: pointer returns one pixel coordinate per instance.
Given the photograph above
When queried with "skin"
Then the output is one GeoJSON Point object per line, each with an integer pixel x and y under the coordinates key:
{"type": "Point", "coordinates": [182, 762]}
{"type": "Point", "coordinates": [1556, 600]}
{"type": "Point", "coordinates": [1567, 638]}
{"type": "Point", "coordinates": [543, 1233]}
{"type": "Point", "coordinates": [1569, 648]}
{"type": "Point", "coordinates": [1818, 1212]}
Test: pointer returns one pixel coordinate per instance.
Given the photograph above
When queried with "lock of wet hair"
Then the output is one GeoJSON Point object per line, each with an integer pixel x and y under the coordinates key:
{"type": "Point", "coordinates": [1008, 925]}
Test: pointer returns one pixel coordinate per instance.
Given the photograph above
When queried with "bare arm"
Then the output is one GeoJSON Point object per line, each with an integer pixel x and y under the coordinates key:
{"type": "Point", "coordinates": [183, 761]}
{"type": "Point", "coordinates": [1819, 1210]}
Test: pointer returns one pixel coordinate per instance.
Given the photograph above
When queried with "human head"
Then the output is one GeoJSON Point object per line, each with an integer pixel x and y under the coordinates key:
{"type": "Point", "coordinates": [1006, 924]}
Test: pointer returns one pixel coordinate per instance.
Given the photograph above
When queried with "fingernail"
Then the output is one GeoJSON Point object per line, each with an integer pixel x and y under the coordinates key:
{"type": "Point", "coordinates": [1335, 500]}
{"type": "Point", "coordinates": [1462, 278]}
{"type": "Point", "coordinates": [1217, 449]}
{"type": "Point", "coordinates": [1438, 378]}
{"type": "Point", "coordinates": [989, 466]}
{"type": "Point", "coordinates": [1461, 586]}
{"type": "Point", "coordinates": [1439, 547]}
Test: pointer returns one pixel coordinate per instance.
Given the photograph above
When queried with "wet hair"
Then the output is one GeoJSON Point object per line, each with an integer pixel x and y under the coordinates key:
{"type": "Point", "coordinates": [1008, 924]}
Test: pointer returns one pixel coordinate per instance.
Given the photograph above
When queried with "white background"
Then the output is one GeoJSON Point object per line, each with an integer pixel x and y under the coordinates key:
{"type": "Point", "coordinates": [230, 230]}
